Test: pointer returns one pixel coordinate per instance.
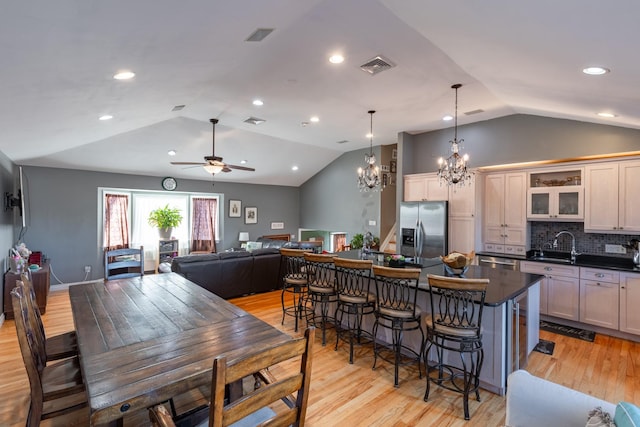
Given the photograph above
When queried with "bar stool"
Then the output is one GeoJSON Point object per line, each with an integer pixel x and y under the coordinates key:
{"type": "Point", "coordinates": [397, 311]}
{"type": "Point", "coordinates": [455, 326]}
{"type": "Point", "coordinates": [294, 283]}
{"type": "Point", "coordinates": [353, 280]}
{"type": "Point", "coordinates": [321, 285]}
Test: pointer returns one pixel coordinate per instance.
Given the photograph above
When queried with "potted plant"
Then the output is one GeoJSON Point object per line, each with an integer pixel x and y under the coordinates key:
{"type": "Point", "coordinates": [165, 219]}
{"type": "Point", "coordinates": [357, 241]}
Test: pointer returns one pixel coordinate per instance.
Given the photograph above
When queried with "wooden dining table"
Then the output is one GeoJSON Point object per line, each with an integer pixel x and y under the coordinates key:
{"type": "Point", "coordinates": [146, 339]}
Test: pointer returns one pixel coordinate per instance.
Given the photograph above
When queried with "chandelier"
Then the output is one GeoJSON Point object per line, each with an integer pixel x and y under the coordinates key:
{"type": "Point", "coordinates": [369, 176]}
{"type": "Point", "coordinates": [453, 169]}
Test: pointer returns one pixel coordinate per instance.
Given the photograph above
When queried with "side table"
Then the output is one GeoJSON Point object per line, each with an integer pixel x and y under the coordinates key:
{"type": "Point", "coordinates": [41, 285]}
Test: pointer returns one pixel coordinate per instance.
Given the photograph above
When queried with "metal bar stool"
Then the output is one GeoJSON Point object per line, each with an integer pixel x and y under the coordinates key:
{"type": "Point", "coordinates": [397, 311]}
{"type": "Point", "coordinates": [455, 326]}
{"type": "Point", "coordinates": [353, 279]}
{"type": "Point", "coordinates": [321, 285]}
{"type": "Point", "coordinates": [294, 283]}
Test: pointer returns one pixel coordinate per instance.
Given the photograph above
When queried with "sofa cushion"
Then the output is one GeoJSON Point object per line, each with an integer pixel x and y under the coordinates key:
{"type": "Point", "coordinates": [627, 415]}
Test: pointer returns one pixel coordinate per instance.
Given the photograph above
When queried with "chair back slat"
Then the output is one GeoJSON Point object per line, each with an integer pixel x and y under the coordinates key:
{"type": "Point", "coordinates": [320, 270]}
{"type": "Point", "coordinates": [35, 317]}
{"type": "Point", "coordinates": [353, 277]}
{"type": "Point", "coordinates": [397, 288]}
{"type": "Point", "coordinates": [123, 263]}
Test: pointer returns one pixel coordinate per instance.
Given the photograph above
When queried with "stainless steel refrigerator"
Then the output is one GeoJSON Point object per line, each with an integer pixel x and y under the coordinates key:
{"type": "Point", "coordinates": [424, 229]}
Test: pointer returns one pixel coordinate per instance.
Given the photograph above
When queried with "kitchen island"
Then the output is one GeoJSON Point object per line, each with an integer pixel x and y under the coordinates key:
{"type": "Point", "coordinates": [510, 322]}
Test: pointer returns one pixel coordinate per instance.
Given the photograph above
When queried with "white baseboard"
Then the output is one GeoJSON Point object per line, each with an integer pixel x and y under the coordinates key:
{"type": "Point", "coordinates": [65, 286]}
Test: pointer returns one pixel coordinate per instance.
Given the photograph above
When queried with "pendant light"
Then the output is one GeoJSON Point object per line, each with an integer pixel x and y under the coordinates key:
{"type": "Point", "coordinates": [369, 175]}
{"type": "Point", "coordinates": [453, 170]}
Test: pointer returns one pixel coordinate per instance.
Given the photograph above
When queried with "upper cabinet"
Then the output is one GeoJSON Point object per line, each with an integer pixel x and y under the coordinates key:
{"type": "Point", "coordinates": [424, 187]}
{"type": "Point", "coordinates": [555, 195]}
{"type": "Point", "coordinates": [505, 218]}
{"type": "Point", "coordinates": [611, 197]}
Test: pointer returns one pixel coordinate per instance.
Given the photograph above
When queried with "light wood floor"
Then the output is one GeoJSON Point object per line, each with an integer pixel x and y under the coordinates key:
{"type": "Point", "coordinates": [355, 395]}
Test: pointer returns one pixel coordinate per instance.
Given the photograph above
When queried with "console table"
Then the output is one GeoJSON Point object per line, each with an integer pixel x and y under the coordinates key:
{"type": "Point", "coordinates": [41, 283]}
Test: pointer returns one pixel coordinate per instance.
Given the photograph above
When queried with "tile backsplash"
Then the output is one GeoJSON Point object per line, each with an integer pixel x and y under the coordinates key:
{"type": "Point", "coordinates": [589, 243]}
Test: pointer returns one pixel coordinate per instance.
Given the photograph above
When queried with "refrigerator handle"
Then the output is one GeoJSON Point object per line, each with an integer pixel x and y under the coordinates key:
{"type": "Point", "coordinates": [418, 240]}
{"type": "Point", "coordinates": [416, 236]}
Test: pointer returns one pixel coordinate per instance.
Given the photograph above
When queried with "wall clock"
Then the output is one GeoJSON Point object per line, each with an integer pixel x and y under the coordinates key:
{"type": "Point", "coordinates": [169, 183]}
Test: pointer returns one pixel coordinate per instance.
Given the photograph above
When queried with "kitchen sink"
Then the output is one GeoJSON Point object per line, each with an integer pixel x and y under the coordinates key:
{"type": "Point", "coordinates": [551, 259]}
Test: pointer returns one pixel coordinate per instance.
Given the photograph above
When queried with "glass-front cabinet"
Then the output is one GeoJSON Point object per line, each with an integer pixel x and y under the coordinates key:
{"type": "Point", "coordinates": [556, 196]}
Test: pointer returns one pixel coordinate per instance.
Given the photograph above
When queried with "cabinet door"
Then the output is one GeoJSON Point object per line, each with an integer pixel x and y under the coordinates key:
{"type": "Point", "coordinates": [629, 303]}
{"type": "Point", "coordinates": [414, 190]}
{"type": "Point", "coordinates": [539, 204]}
{"type": "Point", "coordinates": [599, 303]}
{"type": "Point", "coordinates": [462, 200]}
{"type": "Point", "coordinates": [462, 234]}
{"type": "Point", "coordinates": [568, 203]}
{"type": "Point", "coordinates": [601, 197]}
{"type": "Point", "coordinates": [515, 200]}
{"type": "Point", "coordinates": [563, 296]}
{"type": "Point", "coordinates": [494, 201]}
{"type": "Point", "coordinates": [629, 191]}
{"type": "Point", "coordinates": [435, 190]}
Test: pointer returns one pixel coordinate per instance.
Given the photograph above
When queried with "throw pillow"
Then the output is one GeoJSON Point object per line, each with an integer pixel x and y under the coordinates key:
{"type": "Point", "coordinates": [599, 418]}
{"type": "Point", "coordinates": [627, 415]}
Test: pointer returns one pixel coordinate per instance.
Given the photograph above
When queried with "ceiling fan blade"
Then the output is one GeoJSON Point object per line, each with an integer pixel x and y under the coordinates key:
{"type": "Point", "coordinates": [226, 169]}
{"type": "Point", "coordinates": [240, 168]}
{"type": "Point", "coordinates": [188, 163]}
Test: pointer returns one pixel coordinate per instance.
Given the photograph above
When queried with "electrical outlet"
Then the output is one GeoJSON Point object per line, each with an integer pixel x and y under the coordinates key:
{"type": "Point", "coordinates": [87, 269]}
{"type": "Point", "coordinates": [615, 249]}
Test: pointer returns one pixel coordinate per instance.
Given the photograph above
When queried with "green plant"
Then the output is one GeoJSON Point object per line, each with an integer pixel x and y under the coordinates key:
{"type": "Point", "coordinates": [357, 241]}
{"type": "Point", "coordinates": [165, 217]}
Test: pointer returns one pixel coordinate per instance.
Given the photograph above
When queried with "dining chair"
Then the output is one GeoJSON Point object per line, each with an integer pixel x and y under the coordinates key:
{"type": "Point", "coordinates": [355, 300]}
{"type": "Point", "coordinates": [123, 263]}
{"type": "Point", "coordinates": [273, 402]}
{"type": "Point", "coordinates": [321, 288]}
{"type": "Point", "coordinates": [55, 347]}
{"type": "Point", "coordinates": [455, 326]}
{"type": "Point", "coordinates": [397, 311]}
{"type": "Point", "coordinates": [56, 389]}
{"type": "Point", "coordinates": [294, 285]}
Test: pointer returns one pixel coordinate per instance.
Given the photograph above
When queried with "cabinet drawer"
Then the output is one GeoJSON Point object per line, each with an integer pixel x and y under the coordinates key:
{"type": "Point", "coordinates": [492, 247]}
{"type": "Point", "coordinates": [515, 250]}
{"type": "Point", "coordinates": [599, 275]}
{"type": "Point", "coordinates": [550, 269]}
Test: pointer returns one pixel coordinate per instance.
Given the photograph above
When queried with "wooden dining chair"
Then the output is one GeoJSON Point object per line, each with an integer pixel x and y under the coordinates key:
{"type": "Point", "coordinates": [56, 389]}
{"type": "Point", "coordinates": [123, 263]}
{"type": "Point", "coordinates": [263, 404]}
{"type": "Point", "coordinates": [54, 347]}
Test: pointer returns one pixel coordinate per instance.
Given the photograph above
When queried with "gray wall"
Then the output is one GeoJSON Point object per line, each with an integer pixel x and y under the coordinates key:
{"type": "Point", "coordinates": [8, 219]}
{"type": "Point", "coordinates": [63, 214]}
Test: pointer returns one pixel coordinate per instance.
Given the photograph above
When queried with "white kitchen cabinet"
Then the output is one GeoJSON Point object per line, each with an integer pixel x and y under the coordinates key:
{"type": "Point", "coordinates": [561, 298]}
{"type": "Point", "coordinates": [556, 203]}
{"type": "Point", "coordinates": [630, 303]}
{"type": "Point", "coordinates": [611, 197]}
{"type": "Point", "coordinates": [462, 218]}
{"type": "Point", "coordinates": [504, 215]}
{"type": "Point", "coordinates": [424, 187]}
{"type": "Point", "coordinates": [599, 297]}
{"type": "Point", "coordinates": [537, 268]}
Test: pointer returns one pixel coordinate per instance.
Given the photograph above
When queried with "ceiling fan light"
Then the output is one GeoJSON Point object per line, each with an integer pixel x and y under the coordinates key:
{"type": "Point", "coordinates": [213, 169]}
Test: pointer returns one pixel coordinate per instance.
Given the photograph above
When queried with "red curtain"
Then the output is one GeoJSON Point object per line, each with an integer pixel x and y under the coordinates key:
{"type": "Point", "coordinates": [203, 222]}
{"type": "Point", "coordinates": [116, 223]}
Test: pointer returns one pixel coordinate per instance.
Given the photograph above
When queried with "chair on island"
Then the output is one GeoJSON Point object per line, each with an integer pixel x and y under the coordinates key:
{"type": "Point", "coordinates": [55, 347]}
{"type": "Point", "coordinates": [397, 311]}
{"type": "Point", "coordinates": [455, 326]}
{"type": "Point", "coordinates": [56, 389]}
{"type": "Point", "coordinates": [294, 283]}
{"type": "Point", "coordinates": [123, 263]}
{"type": "Point", "coordinates": [353, 279]}
{"type": "Point", "coordinates": [321, 288]}
{"type": "Point", "coordinates": [272, 402]}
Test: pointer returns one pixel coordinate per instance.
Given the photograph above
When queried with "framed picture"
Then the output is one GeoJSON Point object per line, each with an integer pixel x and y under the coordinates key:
{"type": "Point", "coordinates": [277, 225]}
{"type": "Point", "coordinates": [251, 215]}
{"type": "Point", "coordinates": [384, 168]}
{"type": "Point", "coordinates": [392, 166]}
{"type": "Point", "coordinates": [385, 179]}
{"type": "Point", "coordinates": [394, 154]}
{"type": "Point", "coordinates": [235, 208]}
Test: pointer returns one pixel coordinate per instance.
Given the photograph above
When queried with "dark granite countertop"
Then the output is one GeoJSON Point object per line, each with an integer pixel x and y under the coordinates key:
{"type": "Point", "coordinates": [582, 260]}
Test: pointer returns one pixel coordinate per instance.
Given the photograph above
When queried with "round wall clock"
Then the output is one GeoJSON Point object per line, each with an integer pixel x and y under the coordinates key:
{"type": "Point", "coordinates": [169, 183]}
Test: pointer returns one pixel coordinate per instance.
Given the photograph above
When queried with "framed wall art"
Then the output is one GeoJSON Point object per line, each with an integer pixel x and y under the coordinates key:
{"type": "Point", "coordinates": [235, 208]}
{"type": "Point", "coordinates": [277, 225]}
{"type": "Point", "coordinates": [251, 215]}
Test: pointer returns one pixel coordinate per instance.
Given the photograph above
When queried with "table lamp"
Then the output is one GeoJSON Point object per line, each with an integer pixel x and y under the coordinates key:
{"type": "Point", "coordinates": [243, 237]}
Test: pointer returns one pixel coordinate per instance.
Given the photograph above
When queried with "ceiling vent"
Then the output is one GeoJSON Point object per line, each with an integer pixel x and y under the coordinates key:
{"type": "Point", "coordinates": [259, 34]}
{"type": "Point", "coordinates": [177, 108]}
{"type": "Point", "coordinates": [376, 65]}
{"type": "Point", "coordinates": [472, 112]}
{"type": "Point", "coordinates": [344, 141]}
{"type": "Point", "coordinates": [255, 121]}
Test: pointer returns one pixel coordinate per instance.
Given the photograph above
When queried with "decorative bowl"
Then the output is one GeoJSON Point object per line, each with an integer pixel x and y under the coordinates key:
{"type": "Point", "coordinates": [458, 260]}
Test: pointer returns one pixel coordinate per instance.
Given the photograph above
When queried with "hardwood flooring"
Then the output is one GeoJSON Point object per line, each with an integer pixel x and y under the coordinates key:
{"type": "Point", "coordinates": [355, 395]}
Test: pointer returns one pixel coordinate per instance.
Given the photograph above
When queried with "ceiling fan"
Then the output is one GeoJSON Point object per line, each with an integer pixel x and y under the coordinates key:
{"type": "Point", "coordinates": [214, 164]}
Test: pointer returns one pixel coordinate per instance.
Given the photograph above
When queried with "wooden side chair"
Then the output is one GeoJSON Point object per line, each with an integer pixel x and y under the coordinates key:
{"type": "Point", "coordinates": [56, 389]}
{"type": "Point", "coordinates": [257, 407]}
{"type": "Point", "coordinates": [55, 347]}
{"type": "Point", "coordinates": [123, 263]}
{"type": "Point", "coordinates": [455, 326]}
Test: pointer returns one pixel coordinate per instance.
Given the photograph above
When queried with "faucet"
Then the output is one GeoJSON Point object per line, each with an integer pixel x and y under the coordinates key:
{"type": "Point", "coordinates": [541, 252]}
{"type": "Point", "coordinates": [574, 253]}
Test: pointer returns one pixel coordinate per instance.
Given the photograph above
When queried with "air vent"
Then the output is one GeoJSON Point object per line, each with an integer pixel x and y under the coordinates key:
{"type": "Point", "coordinates": [376, 65]}
{"type": "Point", "coordinates": [472, 112]}
{"type": "Point", "coordinates": [255, 120]}
{"type": "Point", "coordinates": [259, 34]}
{"type": "Point", "coordinates": [344, 141]}
{"type": "Point", "coordinates": [177, 108]}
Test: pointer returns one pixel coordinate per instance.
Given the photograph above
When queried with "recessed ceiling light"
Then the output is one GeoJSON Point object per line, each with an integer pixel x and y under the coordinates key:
{"type": "Point", "coordinates": [243, 162]}
{"type": "Point", "coordinates": [171, 152]}
{"type": "Point", "coordinates": [447, 118]}
{"type": "Point", "coordinates": [124, 75]}
{"type": "Point", "coordinates": [314, 119]}
{"type": "Point", "coordinates": [336, 59]}
{"type": "Point", "coordinates": [105, 117]}
{"type": "Point", "coordinates": [294, 168]}
{"type": "Point", "coordinates": [607, 115]}
{"type": "Point", "coordinates": [258, 102]}
{"type": "Point", "coordinates": [595, 71]}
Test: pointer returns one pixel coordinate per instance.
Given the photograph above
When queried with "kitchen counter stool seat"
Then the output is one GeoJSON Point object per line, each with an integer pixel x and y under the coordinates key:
{"type": "Point", "coordinates": [294, 286]}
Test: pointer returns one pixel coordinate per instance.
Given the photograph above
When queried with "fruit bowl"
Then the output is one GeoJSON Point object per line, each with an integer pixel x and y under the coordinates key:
{"type": "Point", "coordinates": [457, 262]}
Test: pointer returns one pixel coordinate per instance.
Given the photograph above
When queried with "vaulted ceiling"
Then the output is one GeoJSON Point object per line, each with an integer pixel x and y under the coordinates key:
{"type": "Point", "coordinates": [59, 59]}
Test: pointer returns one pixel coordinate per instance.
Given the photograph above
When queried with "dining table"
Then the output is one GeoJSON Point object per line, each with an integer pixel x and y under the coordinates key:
{"type": "Point", "coordinates": [146, 339]}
